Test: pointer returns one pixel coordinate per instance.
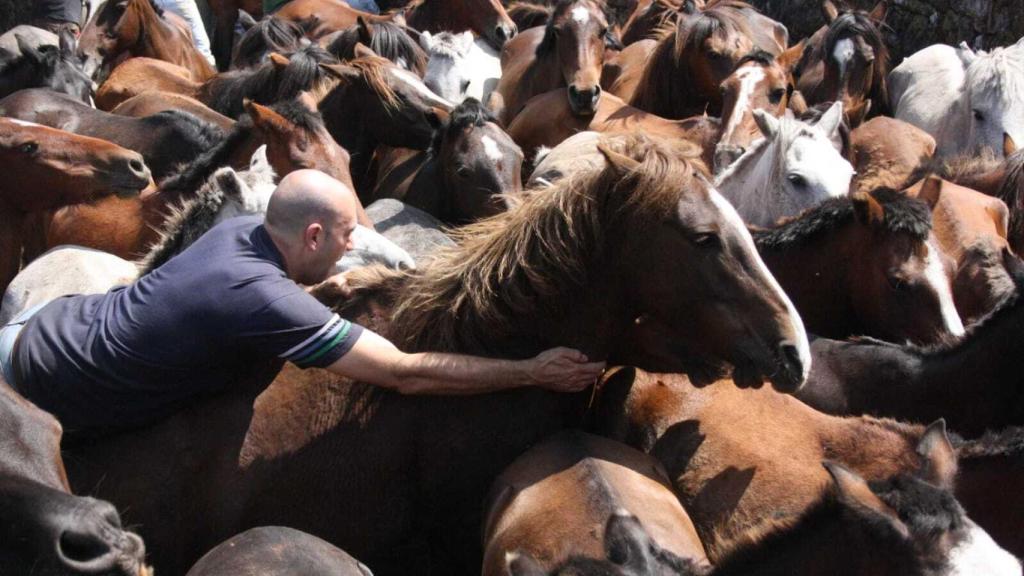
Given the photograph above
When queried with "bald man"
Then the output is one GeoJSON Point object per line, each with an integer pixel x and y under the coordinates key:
{"type": "Point", "coordinates": [229, 311]}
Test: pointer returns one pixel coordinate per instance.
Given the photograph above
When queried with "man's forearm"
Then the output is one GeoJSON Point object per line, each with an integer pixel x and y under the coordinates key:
{"type": "Point", "coordinates": [440, 373]}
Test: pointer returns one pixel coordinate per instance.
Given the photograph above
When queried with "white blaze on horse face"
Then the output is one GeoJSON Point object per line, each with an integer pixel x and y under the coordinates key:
{"type": "Point", "coordinates": [842, 53]}
{"type": "Point", "coordinates": [491, 148]}
{"type": "Point", "coordinates": [936, 276]}
{"type": "Point", "coordinates": [732, 217]}
{"type": "Point", "coordinates": [581, 15]}
{"type": "Point", "coordinates": [749, 77]}
{"type": "Point", "coordinates": [979, 554]}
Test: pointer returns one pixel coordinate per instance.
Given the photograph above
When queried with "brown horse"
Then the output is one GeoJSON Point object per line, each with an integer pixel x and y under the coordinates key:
{"type": "Point", "coordinates": [465, 175]}
{"type": "Point", "coordinates": [888, 152]}
{"type": "Point", "coordinates": [649, 17]}
{"type": "Point", "coordinates": [547, 120]}
{"type": "Point", "coordinates": [378, 102]}
{"type": "Point", "coordinates": [386, 39]}
{"type": "Point", "coordinates": [970, 228]}
{"type": "Point", "coordinates": [295, 137]}
{"type": "Point", "coordinates": [124, 28]}
{"type": "Point", "coordinates": [277, 551]}
{"type": "Point", "coordinates": [683, 74]}
{"type": "Point", "coordinates": [225, 16]}
{"type": "Point", "coordinates": [568, 51]}
{"type": "Point", "coordinates": [995, 459]}
{"type": "Point", "coordinates": [863, 265]}
{"type": "Point", "coordinates": [264, 37]}
{"type": "Point", "coordinates": [47, 530]}
{"type": "Point", "coordinates": [740, 478]}
{"type": "Point", "coordinates": [546, 504]}
{"type": "Point", "coordinates": [873, 377]}
{"type": "Point", "coordinates": [847, 61]}
{"type": "Point", "coordinates": [486, 18]}
{"type": "Point", "coordinates": [570, 266]}
{"type": "Point", "coordinates": [280, 78]}
{"type": "Point", "coordinates": [165, 140]}
{"type": "Point", "coordinates": [51, 168]}
{"type": "Point", "coordinates": [149, 103]}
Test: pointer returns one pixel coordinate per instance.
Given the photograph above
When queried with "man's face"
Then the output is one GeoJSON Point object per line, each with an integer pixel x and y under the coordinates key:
{"type": "Point", "coordinates": [337, 241]}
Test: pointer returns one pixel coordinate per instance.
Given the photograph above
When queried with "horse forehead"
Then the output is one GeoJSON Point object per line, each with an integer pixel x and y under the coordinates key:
{"type": "Point", "coordinates": [997, 79]}
{"type": "Point", "coordinates": [580, 14]}
{"type": "Point", "coordinates": [843, 49]}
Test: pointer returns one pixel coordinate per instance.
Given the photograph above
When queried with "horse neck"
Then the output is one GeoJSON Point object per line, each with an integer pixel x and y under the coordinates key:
{"type": "Point", "coordinates": [343, 118]}
{"type": "Point", "coordinates": [11, 229]}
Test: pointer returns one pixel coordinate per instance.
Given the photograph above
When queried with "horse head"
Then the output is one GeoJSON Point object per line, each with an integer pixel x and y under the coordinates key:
{"type": "Point", "coordinates": [113, 30]}
{"type": "Point", "coordinates": [577, 33]}
{"type": "Point", "coordinates": [992, 104]}
{"type": "Point", "coordinates": [758, 83]}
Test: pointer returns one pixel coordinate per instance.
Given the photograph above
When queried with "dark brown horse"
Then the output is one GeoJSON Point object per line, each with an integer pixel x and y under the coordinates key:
{"type": "Point", "coordinates": [47, 530]}
{"type": "Point", "coordinates": [864, 266]}
{"type": "Point", "coordinates": [53, 67]}
{"type": "Point", "coordinates": [277, 551]}
{"type": "Point", "coordinates": [995, 459]}
{"type": "Point", "coordinates": [386, 39]}
{"type": "Point", "coordinates": [568, 51]}
{"type": "Point", "coordinates": [165, 140]}
{"type": "Point", "coordinates": [486, 18]}
{"type": "Point", "coordinates": [546, 503]}
{"type": "Point", "coordinates": [471, 165]}
{"type": "Point", "coordinates": [47, 169]}
{"type": "Point", "coordinates": [268, 35]}
{"type": "Point", "coordinates": [378, 102]}
{"type": "Point", "coordinates": [225, 16]}
{"type": "Point", "coordinates": [740, 479]}
{"type": "Point", "coordinates": [847, 61]}
{"type": "Point", "coordinates": [121, 29]}
{"type": "Point", "coordinates": [570, 266]}
{"type": "Point", "coordinates": [873, 377]}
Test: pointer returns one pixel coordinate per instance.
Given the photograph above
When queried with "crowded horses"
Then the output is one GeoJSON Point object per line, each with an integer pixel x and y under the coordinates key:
{"type": "Point", "coordinates": [507, 287]}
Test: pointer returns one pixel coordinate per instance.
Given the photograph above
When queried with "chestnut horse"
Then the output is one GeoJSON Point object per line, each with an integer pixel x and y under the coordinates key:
{"type": "Point", "coordinates": [873, 377]}
{"type": "Point", "coordinates": [122, 29]}
{"type": "Point", "coordinates": [149, 103]}
{"type": "Point", "coordinates": [47, 530]}
{"type": "Point", "coordinates": [465, 175]}
{"type": "Point", "coordinates": [546, 503]}
{"type": "Point", "coordinates": [847, 61]}
{"type": "Point", "coordinates": [568, 51]}
{"type": "Point", "coordinates": [888, 152]}
{"type": "Point", "coordinates": [739, 484]}
{"type": "Point", "coordinates": [486, 18]}
{"type": "Point", "coordinates": [549, 272]}
{"type": "Point", "coordinates": [51, 168]}
{"type": "Point", "coordinates": [864, 266]}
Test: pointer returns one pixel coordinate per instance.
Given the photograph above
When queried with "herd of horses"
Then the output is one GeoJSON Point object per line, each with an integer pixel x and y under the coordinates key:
{"type": "Point", "coordinates": [675, 186]}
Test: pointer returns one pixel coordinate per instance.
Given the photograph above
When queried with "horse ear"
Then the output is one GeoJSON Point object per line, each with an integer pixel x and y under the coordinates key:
{"type": "Point", "coordinates": [245, 20]}
{"type": "Point", "coordinates": [365, 31]}
{"type": "Point", "coordinates": [797, 103]}
{"type": "Point", "coordinates": [1014, 267]}
{"type": "Point", "coordinates": [866, 209]}
{"type": "Point", "coordinates": [437, 117]}
{"type": "Point", "coordinates": [829, 11]}
{"type": "Point", "coordinates": [426, 40]}
{"type": "Point", "coordinates": [627, 544]}
{"type": "Point", "coordinates": [1000, 215]}
{"type": "Point", "coordinates": [854, 492]}
{"type": "Point", "coordinates": [519, 564]}
{"type": "Point", "coordinates": [790, 56]}
{"type": "Point", "coordinates": [66, 42]}
{"type": "Point", "coordinates": [931, 191]}
{"type": "Point", "coordinates": [1009, 146]}
{"type": "Point", "coordinates": [768, 124]}
{"type": "Point", "coordinates": [879, 12]}
{"type": "Point", "coordinates": [966, 54]}
{"type": "Point", "coordinates": [363, 51]}
{"type": "Point", "coordinates": [938, 458]}
{"type": "Point", "coordinates": [280, 62]}
{"type": "Point", "coordinates": [467, 40]}
{"type": "Point", "coordinates": [264, 118]}
{"type": "Point", "coordinates": [617, 160]}
{"type": "Point", "coordinates": [28, 50]}
{"type": "Point", "coordinates": [831, 119]}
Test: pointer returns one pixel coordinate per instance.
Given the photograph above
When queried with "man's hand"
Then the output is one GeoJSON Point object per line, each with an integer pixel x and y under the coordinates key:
{"type": "Point", "coordinates": [564, 370]}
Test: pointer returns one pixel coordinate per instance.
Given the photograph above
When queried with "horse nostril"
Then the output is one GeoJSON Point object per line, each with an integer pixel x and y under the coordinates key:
{"type": "Point", "coordinates": [573, 92]}
{"type": "Point", "coordinates": [138, 168]}
{"type": "Point", "coordinates": [85, 552]}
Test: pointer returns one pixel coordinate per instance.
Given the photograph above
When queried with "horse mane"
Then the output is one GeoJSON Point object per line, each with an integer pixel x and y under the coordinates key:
{"type": "Point", "coordinates": [389, 41]}
{"type": "Point", "coordinates": [999, 73]}
{"type": "Point", "coordinates": [665, 87]}
{"type": "Point", "coordinates": [902, 215]}
{"type": "Point", "coordinates": [1006, 442]}
{"type": "Point", "coordinates": [529, 14]}
{"type": "Point", "coordinates": [471, 112]}
{"type": "Point", "coordinates": [373, 71]}
{"type": "Point", "coordinates": [757, 56]}
{"type": "Point", "coordinates": [190, 131]}
{"type": "Point", "coordinates": [271, 34]}
{"type": "Point", "coordinates": [533, 261]}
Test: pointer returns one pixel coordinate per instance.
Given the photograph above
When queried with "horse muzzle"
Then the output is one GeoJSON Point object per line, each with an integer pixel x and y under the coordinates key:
{"type": "Point", "coordinates": [583, 102]}
{"type": "Point", "coordinates": [788, 376]}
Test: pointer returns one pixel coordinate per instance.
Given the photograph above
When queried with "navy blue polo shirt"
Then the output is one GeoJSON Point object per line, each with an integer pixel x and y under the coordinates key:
{"type": "Point", "coordinates": [212, 317]}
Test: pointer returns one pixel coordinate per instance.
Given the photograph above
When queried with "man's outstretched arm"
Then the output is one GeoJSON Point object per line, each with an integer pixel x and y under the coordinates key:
{"type": "Point", "coordinates": [375, 360]}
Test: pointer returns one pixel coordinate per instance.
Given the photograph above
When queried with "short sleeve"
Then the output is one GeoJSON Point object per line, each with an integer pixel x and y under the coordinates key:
{"type": "Point", "coordinates": [301, 330]}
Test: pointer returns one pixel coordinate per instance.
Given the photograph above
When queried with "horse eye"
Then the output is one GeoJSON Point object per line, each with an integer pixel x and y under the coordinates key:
{"type": "Point", "coordinates": [465, 85]}
{"type": "Point", "coordinates": [705, 239]}
{"type": "Point", "coordinates": [979, 115]}
{"type": "Point", "coordinates": [776, 96]}
{"type": "Point", "coordinates": [895, 282]}
{"type": "Point", "coordinates": [797, 180]}
{"type": "Point", "coordinates": [28, 148]}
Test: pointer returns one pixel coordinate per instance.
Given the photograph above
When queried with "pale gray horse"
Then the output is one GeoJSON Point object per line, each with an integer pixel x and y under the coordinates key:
{"type": "Point", "coordinates": [794, 167]}
{"type": "Point", "coordinates": [30, 35]}
{"type": "Point", "coordinates": [460, 66]}
{"type": "Point", "coordinates": [577, 152]}
{"type": "Point", "coordinates": [966, 100]}
{"type": "Point", "coordinates": [412, 229]}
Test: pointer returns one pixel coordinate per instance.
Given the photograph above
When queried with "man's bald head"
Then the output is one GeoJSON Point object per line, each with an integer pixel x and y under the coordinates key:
{"type": "Point", "coordinates": [307, 196]}
{"type": "Point", "coordinates": [310, 218]}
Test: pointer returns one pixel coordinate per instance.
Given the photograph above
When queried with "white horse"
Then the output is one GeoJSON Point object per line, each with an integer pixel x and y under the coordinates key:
{"type": "Point", "coordinates": [460, 66]}
{"type": "Point", "coordinates": [68, 270]}
{"type": "Point", "coordinates": [966, 100]}
{"type": "Point", "coordinates": [793, 168]}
